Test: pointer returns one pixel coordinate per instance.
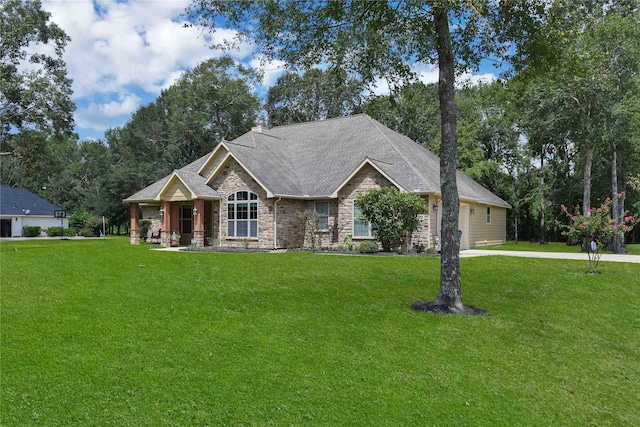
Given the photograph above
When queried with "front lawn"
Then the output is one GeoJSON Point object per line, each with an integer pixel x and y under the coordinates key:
{"type": "Point", "coordinates": [100, 333]}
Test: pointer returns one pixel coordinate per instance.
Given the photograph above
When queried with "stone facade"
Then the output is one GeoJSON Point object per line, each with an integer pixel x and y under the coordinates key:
{"type": "Point", "coordinates": [422, 236]}
{"type": "Point", "coordinates": [364, 181]}
{"type": "Point", "coordinates": [231, 178]}
{"type": "Point", "coordinates": [152, 213]}
{"type": "Point", "coordinates": [289, 231]}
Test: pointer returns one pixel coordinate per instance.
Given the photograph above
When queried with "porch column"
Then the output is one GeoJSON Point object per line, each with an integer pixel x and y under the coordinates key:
{"type": "Point", "coordinates": [174, 220]}
{"type": "Point", "coordinates": [135, 224]}
{"type": "Point", "coordinates": [165, 227]}
{"type": "Point", "coordinates": [198, 222]}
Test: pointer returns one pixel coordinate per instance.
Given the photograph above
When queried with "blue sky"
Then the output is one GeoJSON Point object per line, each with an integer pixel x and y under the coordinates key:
{"type": "Point", "coordinates": [123, 53]}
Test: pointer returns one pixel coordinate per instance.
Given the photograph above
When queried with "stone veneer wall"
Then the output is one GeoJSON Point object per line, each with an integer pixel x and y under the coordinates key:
{"type": "Point", "coordinates": [233, 178]}
{"type": "Point", "coordinates": [364, 181]}
{"type": "Point", "coordinates": [324, 238]}
{"type": "Point", "coordinates": [152, 213]}
{"type": "Point", "coordinates": [290, 231]}
{"type": "Point", "coordinates": [422, 236]}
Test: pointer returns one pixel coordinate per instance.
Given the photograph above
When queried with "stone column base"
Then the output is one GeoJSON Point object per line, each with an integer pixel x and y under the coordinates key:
{"type": "Point", "coordinates": [199, 238]}
{"type": "Point", "coordinates": [135, 237]}
{"type": "Point", "coordinates": [165, 239]}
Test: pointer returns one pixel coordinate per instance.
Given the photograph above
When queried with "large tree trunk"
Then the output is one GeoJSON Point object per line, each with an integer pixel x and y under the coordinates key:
{"type": "Point", "coordinates": [542, 239]}
{"type": "Point", "coordinates": [450, 296]}
{"type": "Point", "coordinates": [450, 290]}
{"type": "Point", "coordinates": [586, 194]}
{"type": "Point", "coordinates": [617, 244]}
{"type": "Point", "coordinates": [586, 191]}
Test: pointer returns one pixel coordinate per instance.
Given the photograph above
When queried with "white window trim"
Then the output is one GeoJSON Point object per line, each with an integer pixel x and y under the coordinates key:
{"type": "Point", "coordinates": [249, 220]}
{"type": "Point", "coordinates": [488, 216]}
{"type": "Point", "coordinates": [353, 225]}
{"type": "Point", "coordinates": [315, 207]}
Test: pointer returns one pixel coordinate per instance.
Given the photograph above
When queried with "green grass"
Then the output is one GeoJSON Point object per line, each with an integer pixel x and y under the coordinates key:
{"type": "Point", "coordinates": [100, 333]}
{"type": "Point", "coordinates": [511, 245]}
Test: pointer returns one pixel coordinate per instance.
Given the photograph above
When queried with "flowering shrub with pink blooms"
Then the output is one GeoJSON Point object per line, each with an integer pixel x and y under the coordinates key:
{"type": "Point", "coordinates": [598, 229]}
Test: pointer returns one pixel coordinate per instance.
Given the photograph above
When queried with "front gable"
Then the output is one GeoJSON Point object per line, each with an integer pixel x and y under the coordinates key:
{"type": "Point", "coordinates": [225, 162]}
{"type": "Point", "coordinates": [175, 190]}
{"type": "Point", "coordinates": [217, 156]}
{"type": "Point", "coordinates": [364, 169]}
{"type": "Point", "coordinates": [231, 176]}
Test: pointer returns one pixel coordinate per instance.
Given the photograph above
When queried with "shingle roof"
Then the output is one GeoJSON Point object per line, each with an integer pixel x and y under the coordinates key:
{"type": "Point", "coordinates": [17, 201]}
{"type": "Point", "coordinates": [314, 159]}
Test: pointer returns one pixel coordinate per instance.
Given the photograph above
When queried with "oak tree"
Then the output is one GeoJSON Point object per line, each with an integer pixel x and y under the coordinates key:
{"type": "Point", "coordinates": [374, 39]}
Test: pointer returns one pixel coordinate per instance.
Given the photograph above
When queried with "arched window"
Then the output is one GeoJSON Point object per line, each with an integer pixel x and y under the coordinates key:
{"type": "Point", "coordinates": [242, 214]}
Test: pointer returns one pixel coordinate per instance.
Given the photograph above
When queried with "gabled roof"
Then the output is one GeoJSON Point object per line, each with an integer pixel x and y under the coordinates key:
{"type": "Point", "coordinates": [189, 177]}
{"type": "Point", "coordinates": [194, 183]}
{"type": "Point", "coordinates": [20, 202]}
{"type": "Point", "coordinates": [315, 159]}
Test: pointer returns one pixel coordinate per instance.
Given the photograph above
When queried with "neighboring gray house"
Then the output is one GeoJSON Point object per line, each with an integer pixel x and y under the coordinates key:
{"type": "Point", "coordinates": [249, 191]}
{"type": "Point", "coordinates": [20, 207]}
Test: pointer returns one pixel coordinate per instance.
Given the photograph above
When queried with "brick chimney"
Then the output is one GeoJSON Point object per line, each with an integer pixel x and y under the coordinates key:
{"type": "Point", "coordinates": [259, 128]}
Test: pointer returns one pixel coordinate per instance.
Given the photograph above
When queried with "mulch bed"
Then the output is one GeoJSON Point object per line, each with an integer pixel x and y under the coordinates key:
{"type": "Point", "coordinates": [431, 307]}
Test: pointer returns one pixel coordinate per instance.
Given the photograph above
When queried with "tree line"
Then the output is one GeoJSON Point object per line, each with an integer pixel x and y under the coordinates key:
{"type": "Point", "coordinates": [568, 134]}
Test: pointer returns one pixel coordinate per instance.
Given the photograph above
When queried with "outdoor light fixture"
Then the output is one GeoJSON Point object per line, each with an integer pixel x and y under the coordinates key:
{"type": "Point", "coordinates": [195, 211]}
{"type": "Point", "coordinates": [161, 211]}
{"type": "Point", "coordinates": [435, 208]}
{"type": "Point", "coordinates": [472, 211]}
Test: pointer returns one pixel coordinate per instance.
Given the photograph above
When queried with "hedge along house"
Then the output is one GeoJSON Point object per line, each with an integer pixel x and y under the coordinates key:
{"type": "Point", "coordinates": [248, 192]}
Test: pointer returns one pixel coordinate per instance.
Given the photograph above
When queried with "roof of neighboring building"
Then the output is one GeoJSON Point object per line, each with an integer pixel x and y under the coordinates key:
{"type": "Point", "coordinates": [20, 202]}
{"type": "Point", "coordinates": [315, 159]}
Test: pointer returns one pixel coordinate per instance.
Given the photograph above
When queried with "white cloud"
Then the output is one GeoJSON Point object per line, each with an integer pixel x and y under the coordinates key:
{"type": "Point", "coordinates": [475, 79]}
{"type": "Point", "coordinates": [100, 116]}
{"type": "Point", "coordinates": [135, 48]}
{"type": "Point", "coordinates": [123, 53]}
{"type": "Point", "coordinates": [272, 69]}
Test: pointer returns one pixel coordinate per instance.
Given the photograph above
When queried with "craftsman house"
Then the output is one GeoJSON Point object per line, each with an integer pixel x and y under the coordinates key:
{"type": "Point", "coordinates": [248, 192]}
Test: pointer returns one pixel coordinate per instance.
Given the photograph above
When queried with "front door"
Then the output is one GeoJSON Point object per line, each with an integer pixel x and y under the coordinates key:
{"type": "Point", "coordinates": [186, 224]}
{"type": "Point", "coordinates": [6, 228]}
{"type": "Point", "coordinates": [463, 225]}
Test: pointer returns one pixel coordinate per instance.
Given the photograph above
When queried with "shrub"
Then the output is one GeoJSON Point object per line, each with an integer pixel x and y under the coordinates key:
{"type": "Point", "coordinates": [392, 214]}
{"type": "Point", "coordinates": [92, 227]}
{"type": "Point", "coordinates": [311, 221]}
{"type": "Point", "coordinates": [58, 232]}
{"type": "Point", "coordinates": [145, 225]}
{"type": "Point", "coordinates": [54, 231]}
{"type": "Point", "coordinates": [78, 219]}
{"type": "Point", "coordinates": [598, 229]}
{"type": "Point", "coordinates": [368, 247]}
{"type": "Point", "coordinates": [31, 230]}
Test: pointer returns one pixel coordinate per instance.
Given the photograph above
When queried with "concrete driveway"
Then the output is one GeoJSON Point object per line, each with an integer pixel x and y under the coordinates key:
{"type": "Point", "coordinates": [551, 255]}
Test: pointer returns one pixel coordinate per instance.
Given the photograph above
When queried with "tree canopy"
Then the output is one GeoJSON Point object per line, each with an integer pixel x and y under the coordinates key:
{"type": "Point", "coordinates": [34, 88]}
{"type": "Point", "coordinates": [383, 39]}
{"type": "Point", "coordinates": [314, 95]}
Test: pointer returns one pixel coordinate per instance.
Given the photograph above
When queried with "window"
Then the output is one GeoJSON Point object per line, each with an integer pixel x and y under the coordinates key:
{"type": "Point", "coordinates": [322, 208]}
{"type": "Point", "coordinates": [360, 228]}
{"type": "Point", "coordinates": [186, 219]}
{"type": "Point", "coordinates": [488, 215]}
{"type": "Point", "coordinates": [242, 214]}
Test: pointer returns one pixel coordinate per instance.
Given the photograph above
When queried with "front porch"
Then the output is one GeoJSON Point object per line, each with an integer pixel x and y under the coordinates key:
{"type": "Point", "coordinates": [176, 223]}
